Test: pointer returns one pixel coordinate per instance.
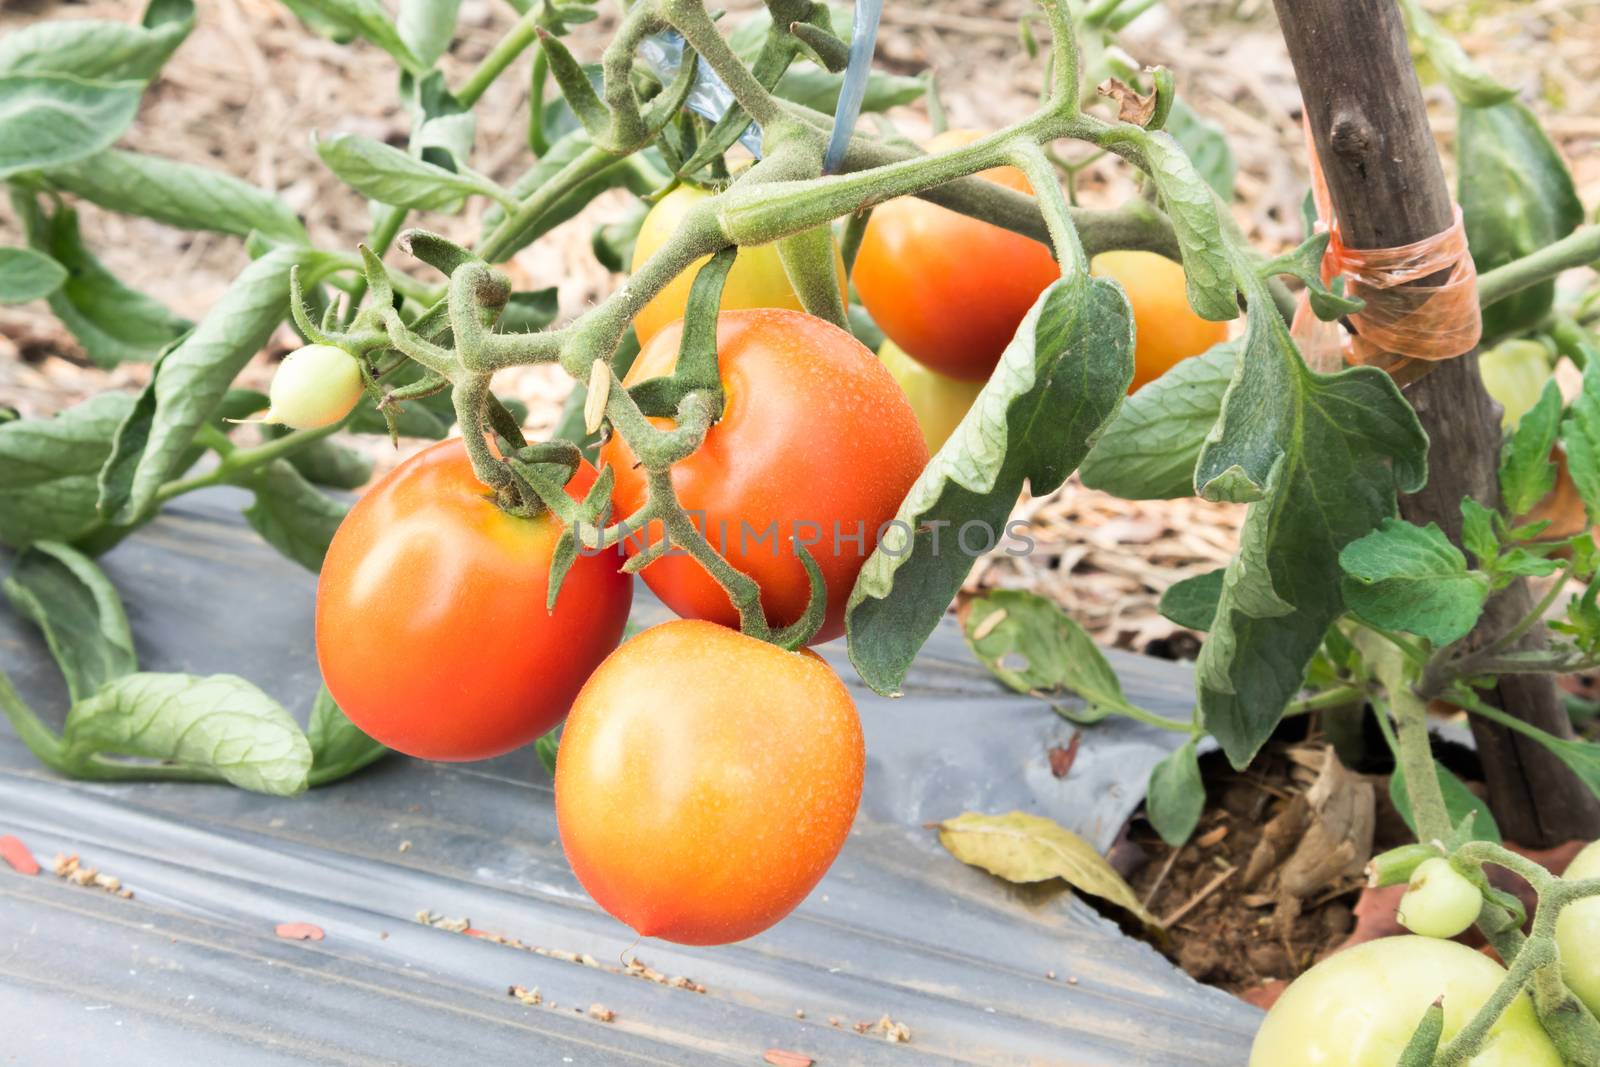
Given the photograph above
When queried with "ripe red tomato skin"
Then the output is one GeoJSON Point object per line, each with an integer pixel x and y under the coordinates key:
{"type": "Point", "coordinates": [948, 289]}
{"type": "Point", "coordinates": [432, 633]}
{"type": "Point", "coordinates": [706, 781]}
{"type": "Point", "coordinates": [815, 436]}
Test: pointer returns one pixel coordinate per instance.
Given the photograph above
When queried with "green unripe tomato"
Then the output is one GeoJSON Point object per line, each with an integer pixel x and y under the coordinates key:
{"type": "Point", "coordinates": [1515, 373]}
{"type": "Point", "coordinates": [1578, 934]}
{"type": "Point", "coordinates": [1439, 902]}
{"type": "Point", "coordinates": [940, 401]}
{"type": "Point", "coordinates": [1359, 1008]}
{"type": "Point", "coordinates": [315, 386]}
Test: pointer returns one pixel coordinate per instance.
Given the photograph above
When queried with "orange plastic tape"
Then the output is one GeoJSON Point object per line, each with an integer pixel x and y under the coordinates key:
{"type": "Point", "coordinates": [1404, 327]}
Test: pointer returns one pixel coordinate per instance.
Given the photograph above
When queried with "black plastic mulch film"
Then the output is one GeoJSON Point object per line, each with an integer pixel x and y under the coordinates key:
{"type": "Point", "coordinates": [190, 970]}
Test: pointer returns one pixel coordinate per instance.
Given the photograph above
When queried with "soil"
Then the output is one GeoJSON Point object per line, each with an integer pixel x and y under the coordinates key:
{"type": "Point", "coordinates": [1230, 936]}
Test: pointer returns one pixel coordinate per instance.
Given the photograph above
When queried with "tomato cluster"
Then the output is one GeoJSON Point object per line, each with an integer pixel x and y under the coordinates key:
{"type": "Point", "coordinates": [705, 779]}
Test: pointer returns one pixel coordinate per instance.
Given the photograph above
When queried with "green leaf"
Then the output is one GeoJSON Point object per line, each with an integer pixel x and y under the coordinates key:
{"type": "Point", "coordinates": [1469, 83]}
{"type": "Point", "coordinates": [1059, 381]}
{"type": "Point", "coordinates": [114, 323]}
{"type": "Point", "coordinates": [338, 747]}
{"type": "Point", "coordinates": [49, 470]}
{"type": "Point", "coordinates": [390, 176]}
{"type": "Point", "coordinates": [426, 27]}
{"type": "Point", "coordinates": [1193, 210]}
{"type": "Point", "coordinates": [1478, 532]}
{"type": "Point", "coordinates": [343, 19]}
{"type": "Point", "coordinates": [1203, 142]}
{"type": "Point", "coordinates": [92, 48]}
{"type": "Point", "coordinates": [1149, 450]}
{"type": "Point", "coordinates": [1516, 197]}
{"type": "Point", "coordinates": [547, 749]}
{"type": "Point", "coordinates": [813, 87]}
{"type": "Point", "coordinates": [1327, 454]}
{"type": "Point", "coordinates": [1035, 647]}
{"type": "Point", "coordinates": [530, 310]}
{"type": "Point", "coordinates": [221, 723]}
{"type": "Point", "coordinates": [1305, 263]}
{"type": "Point", "coordinates": [51, 119]}
{"type": "Point", "coordinates": [327, 462]}
{"type": "Point", "coordinates": [69, 598]}
{"type": "Point", "coordinates": [178, 194]}
{"type": "Point", "coordinates": [1193, 601]}
{"type": "Point", "coordinates": [291, 514]}
{"type": "Point", "coordinates": [1526, 472]}
{"type": "Point", "coordinates": [28, 275]}
{"type": "Point", "coordinates": [1024, 848]}
{"type": "Point", "coordinates": [1580, 436]}
{"type": "Point", "coordinates": [1411, 578]}
{"type": "Point", "coordinates": [1459, 801]}
{"type": "Point", "coordinates": [190, 380]}
{"type": "Point", "coordinates": [1177, 796]}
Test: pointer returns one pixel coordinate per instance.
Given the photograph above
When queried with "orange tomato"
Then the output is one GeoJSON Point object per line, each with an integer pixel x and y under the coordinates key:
{"type": "Point", "coordinates": [706, 781]}
{"type": "Point", "coordinates": [432, 632]}
{"type": "Point", "coordinates": [948, 289]}
{"type": "Point", "coordinates": [816, 443]}
{"type": "Point", "coordinates": [756, 280]}
{"type": "Point", "coordinates": [1166, 329]}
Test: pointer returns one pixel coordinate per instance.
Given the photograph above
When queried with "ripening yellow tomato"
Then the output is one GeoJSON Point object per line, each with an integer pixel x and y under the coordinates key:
{"type": "Point", "coordinates": [757, 279]}
{"type": "Point", "coordinates": [940, 401]}
{"type": "Point", "coordinates": [1166, 329]}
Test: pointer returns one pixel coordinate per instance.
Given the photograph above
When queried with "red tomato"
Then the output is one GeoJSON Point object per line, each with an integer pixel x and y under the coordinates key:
{"type": "Point", "coordinates": [948, 289]}
{"type": "Point", "coordinates": [816, 443]}
{"type": "Point", "coordinates": [706, 781]}
{"type": "Point", "coordinates": [432, 632]}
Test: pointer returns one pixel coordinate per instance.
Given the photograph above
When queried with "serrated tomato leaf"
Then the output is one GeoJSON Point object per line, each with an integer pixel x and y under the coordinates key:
{"type": "Point", "coordinates": [1059, 381]}
{"type": "Point", "coordinates": [1177, 795]}
{"type": "Point", "coordinates": [1149, 450]}
{"type": "Point", "coordinates": [49, 470]}
{"type": "Point", "coordinates": [1324, 457]}
{"type": "Point", "coordinates": [1411, 578]}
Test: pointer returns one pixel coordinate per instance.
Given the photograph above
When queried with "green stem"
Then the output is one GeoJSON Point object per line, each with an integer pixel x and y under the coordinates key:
{"type": "Point", "coordinates": [238, 462]}
{"type": "Point", "coordinates": [1057, 213]}
{"type": "Point", "coordinates": [1468, 1041]}
{"type": "Point", "coordinates": [501, 56]}
{"type": "Point", "coordinates": [536, 86]}
{"type": "Point", "coordinates": [1416, 763]}
{"type": "Point", "coordinates": [690, 18]}
{"type": "Point", "coordinates": [1340, 697]}
{"type": "Point", "coordinates": [589, 163]}
{"type": "Point", "coordinates": [1579, 249]}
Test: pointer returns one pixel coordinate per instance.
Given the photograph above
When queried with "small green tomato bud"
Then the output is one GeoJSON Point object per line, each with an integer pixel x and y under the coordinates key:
{"type": "Point", "coordinates": [1439, 902]}
{"type": "Point", "coordinates": [315, 386]}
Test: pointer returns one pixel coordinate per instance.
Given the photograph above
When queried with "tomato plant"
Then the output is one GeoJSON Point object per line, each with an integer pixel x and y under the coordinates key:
{"type": "Point", "coordinates": [950, 290]}
{"type": "Point", "coordinates": [432, 631]}
{"type": "Point", "coordinates": [1358, 1008]}
{"type": "Point", "coordinates": [757, 280]}
{"type": "Point", "coordinates": [1166, 329]}
{"type": "Point", "coordinates": [467, 598]}
{"type": "Point", "coordinates": [940, 401]}
{"type": "Point", "coordinates": [678, 812]}
{"type": "Point", "coordinates": [815, 444]}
